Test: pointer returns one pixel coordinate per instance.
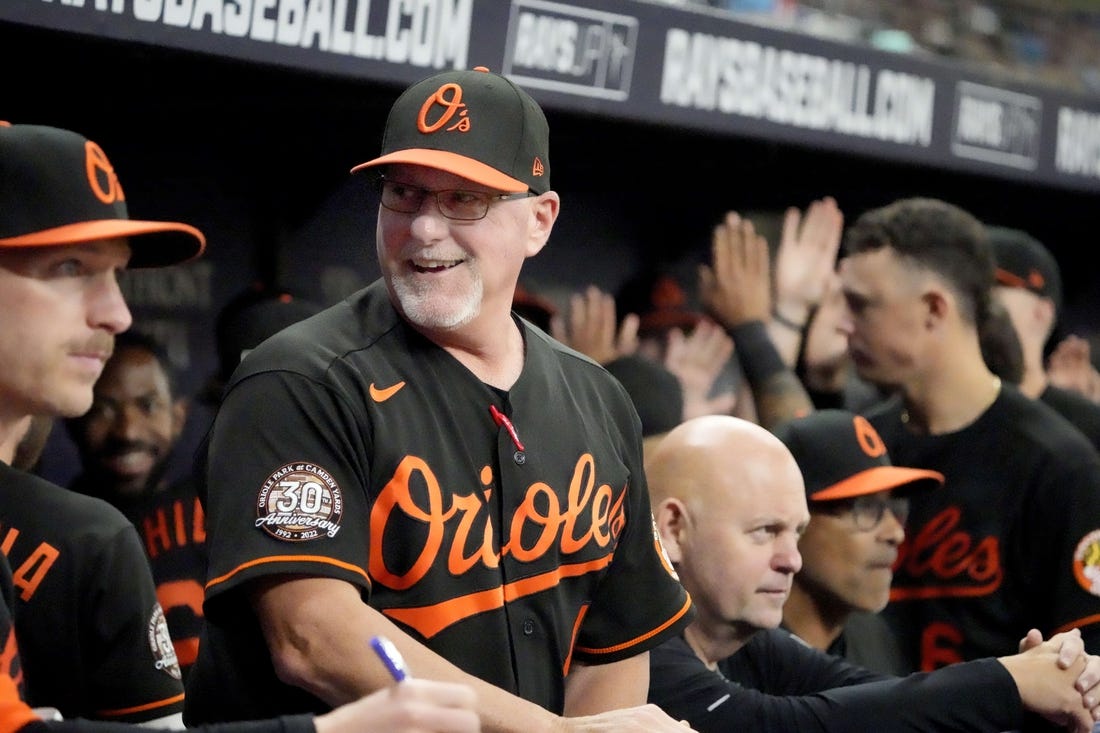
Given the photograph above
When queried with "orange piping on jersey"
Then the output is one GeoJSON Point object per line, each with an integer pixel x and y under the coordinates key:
{"type": "Point", "coordinates": [638, 639]}
{"type": "Point", "coordinates": [573, 638]}
{"type": "Point", "coordinates": [14, 713]}
{"type": "Point", "coordinates": [430, 620]}
{"type": "Point", "coordinates": [1087, 620]}
{"type": "Point", "coordinates": [147, 706]}
{"type": "Point", "coordinates": [287, 558]}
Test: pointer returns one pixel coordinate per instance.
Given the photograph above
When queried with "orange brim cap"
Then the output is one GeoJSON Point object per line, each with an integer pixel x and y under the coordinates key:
{"type": "Point", "coordinates": [841, 455]}
{"type": "Point", "coordinates": [474, 124]}
{"type": "Point", "coordinates": [178, 242]}
{"type": "Point", "coordinates": [459, 165]}
{"type": "Point", "coordinates": [879, 479]}
{"type": "Point", "coordinates": [58, 188]}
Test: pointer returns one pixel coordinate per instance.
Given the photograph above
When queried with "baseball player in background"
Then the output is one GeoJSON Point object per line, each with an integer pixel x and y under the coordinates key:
{"type": "Point", "coordinates": [89, 643]}
{"type": "Point", "coordinates": [1012, 538]}
{"type": "Point", "coordinates": [1029, 286]}
{"type": "Point", "coordinates": [125, 443]}
{"type": "Point", "coordinates": [418, 461]}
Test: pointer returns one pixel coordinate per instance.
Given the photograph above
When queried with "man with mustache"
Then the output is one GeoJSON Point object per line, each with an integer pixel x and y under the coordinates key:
{"type": "Point", "coordinates": [858, 502]}
{"type": "Point", "coordinates": [93, 636]}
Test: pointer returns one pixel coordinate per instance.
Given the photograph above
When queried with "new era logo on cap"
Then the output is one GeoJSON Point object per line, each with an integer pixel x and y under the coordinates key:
{"type": "Point", "coordinates": [841, 455]}
{"type": "Point", "coordinates": [474, 124]}
{"type": "Point", "coordinates": [59, 188]}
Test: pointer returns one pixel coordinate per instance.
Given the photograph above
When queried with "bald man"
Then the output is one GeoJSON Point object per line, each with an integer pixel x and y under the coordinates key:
{"type": "Point", "coordinates": [730, 506]}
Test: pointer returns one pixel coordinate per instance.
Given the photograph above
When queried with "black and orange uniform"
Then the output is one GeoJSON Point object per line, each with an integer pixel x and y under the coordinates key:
{"type": "Point", "coordinates": [172, 527]}
{"type": "Point", "coordinates": [511, 533]}
{"type": "Point", "coordinates": [94, 640]}
{"type": "Point", "coordinates": [1011, 542]}
{"type": "Point", "coordinates": [17, 715]}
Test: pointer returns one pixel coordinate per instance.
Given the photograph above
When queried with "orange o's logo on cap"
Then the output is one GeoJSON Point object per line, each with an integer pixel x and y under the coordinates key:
{"type": "Point", "coordinates": [101, 176]}
{"type": "Point", "coordinates": [869, 439]}
{"type": "Point", "coordinates": [449, 98]}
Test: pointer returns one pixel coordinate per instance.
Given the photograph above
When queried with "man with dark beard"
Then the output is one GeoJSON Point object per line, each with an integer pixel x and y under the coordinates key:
{"type": "Point", "coordinates": [125, 442]}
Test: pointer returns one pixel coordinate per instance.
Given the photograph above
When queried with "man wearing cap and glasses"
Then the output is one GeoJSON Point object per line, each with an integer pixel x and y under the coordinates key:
{"type": "Point", "coordinates": [417, 461]}
{"type": "Point", "coordinates": [858, 505]}
{"type": "Point", "coordinates": [730, 503]}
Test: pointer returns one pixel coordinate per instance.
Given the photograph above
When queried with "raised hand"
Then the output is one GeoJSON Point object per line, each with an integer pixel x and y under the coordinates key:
{"type": "Point", "coordinates": [805, 258]}
{"type": "Point", "coordinates": [736, 286]}
{"type": "Point", "coordinates": [697, 359]}
{"type": "Point", "coordinates": [1070, 367]}
{"type": "Point", "coordinates": [592, 328]}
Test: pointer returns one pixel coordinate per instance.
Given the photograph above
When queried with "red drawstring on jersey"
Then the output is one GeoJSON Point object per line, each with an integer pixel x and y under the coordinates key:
{"type": "Point", "coordinates": [502, 420]}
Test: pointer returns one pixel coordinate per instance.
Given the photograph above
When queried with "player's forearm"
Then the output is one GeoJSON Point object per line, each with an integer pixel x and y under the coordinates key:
{"type": "Point", "coordinates": [787, 340]}
{"type": "Point", "coordinates": [778, 392]}
{"type": "Point", "coordinates": [499, 710]}
{"type": "Point", "coordinates": [592, 689]}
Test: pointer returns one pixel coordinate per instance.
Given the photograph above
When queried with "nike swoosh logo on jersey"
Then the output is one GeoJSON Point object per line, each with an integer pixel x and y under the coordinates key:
{"type": "Point", "coordinates": [381, 395]}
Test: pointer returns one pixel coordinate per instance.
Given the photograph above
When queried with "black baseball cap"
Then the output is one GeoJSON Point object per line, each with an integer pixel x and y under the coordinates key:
{"type": "Point", "coordinates": [58, 188]}
{"type": "Point", "coordinates": [253, 316]}
{"type": "Point", "coordinates": [655, 391]}
{"type": "Point", "coordinates": [474, 124]}
{"type": "Point", "coordinates": [842, 456]}
{"type": "Point", "coordinates": [1023, 262]}
{"type": "Point", "coordinates": [661, 302]}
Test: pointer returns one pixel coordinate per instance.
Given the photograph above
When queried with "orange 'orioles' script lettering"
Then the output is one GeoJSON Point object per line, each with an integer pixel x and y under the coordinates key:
{"type": "Point", "coordinates": [592, 514]}
{"type": "Point", "coordinates": [938, 552]}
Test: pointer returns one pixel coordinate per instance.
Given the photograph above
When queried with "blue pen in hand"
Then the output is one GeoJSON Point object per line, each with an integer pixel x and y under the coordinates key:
{"type": "Point", "coordinates": [390, 657]}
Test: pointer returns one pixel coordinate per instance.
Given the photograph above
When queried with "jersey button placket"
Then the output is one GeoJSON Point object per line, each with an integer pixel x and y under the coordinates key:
{"type": "Point", "coordinates": [519, 457]}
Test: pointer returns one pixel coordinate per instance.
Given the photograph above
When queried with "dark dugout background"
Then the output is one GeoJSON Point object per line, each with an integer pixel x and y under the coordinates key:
{"type": "Point", "coordinates": [258, 156]}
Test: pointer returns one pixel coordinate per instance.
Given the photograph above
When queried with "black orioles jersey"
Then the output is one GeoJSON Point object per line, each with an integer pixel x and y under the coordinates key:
{"type": "Point", "coordinates": [94, 640]}
{"type": "Point", "coordinates": [511, 534]}
{"type": "Point", "coordinates": [1011, 541]}
{"type": "Point", "coordinates": [172, 527]}
{"type": "Point", "coordinates": [17, 715]}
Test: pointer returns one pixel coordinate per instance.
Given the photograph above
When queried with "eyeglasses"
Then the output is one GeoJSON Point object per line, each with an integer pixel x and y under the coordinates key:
{"type": "Point", "coordinates": [868, 510]}
{"type": "Point", "coordinates": [406, 198]}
